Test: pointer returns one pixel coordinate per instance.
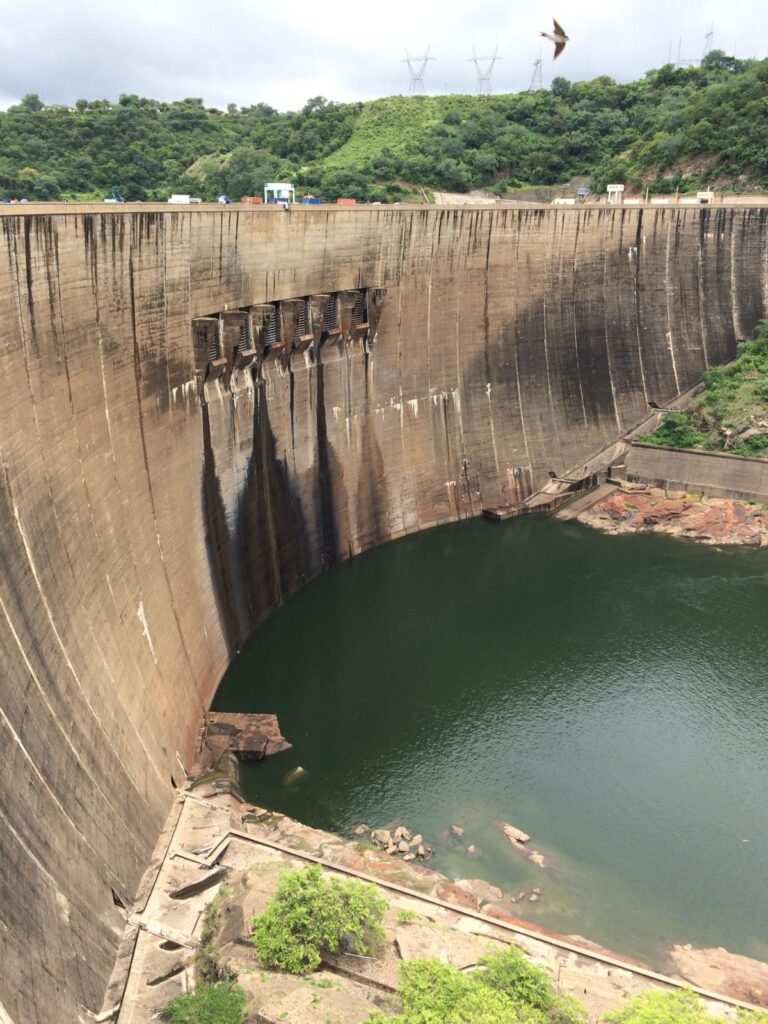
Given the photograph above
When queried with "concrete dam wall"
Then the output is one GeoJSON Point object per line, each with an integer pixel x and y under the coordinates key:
{"type": "Point", "coordinates": [204, 409]}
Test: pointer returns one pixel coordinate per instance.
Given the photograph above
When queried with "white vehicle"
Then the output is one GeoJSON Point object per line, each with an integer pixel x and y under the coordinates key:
{"type": "Point", "coordinates": [179, 199]}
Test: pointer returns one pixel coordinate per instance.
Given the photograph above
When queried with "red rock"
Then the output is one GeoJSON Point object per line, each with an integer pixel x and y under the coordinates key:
{"type": "Point", "coordinates": [452, 893]}
{"type": "Point", "coordinates": [721, 971]}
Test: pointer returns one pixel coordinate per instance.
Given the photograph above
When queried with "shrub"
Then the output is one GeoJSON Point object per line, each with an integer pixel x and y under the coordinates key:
{"type": "Point", "coordinates": [510, 972]}
{"type": "Point", "coordinates": [506, 989]}
{"type": "Point", "coordinates": [209, 1004]}
{"type": "Point", "coordinates": [310, 915]}
{"type": "Point", "coordinates": [675, 431]}
{"type": "Point", "coordinates": [657, 1007]}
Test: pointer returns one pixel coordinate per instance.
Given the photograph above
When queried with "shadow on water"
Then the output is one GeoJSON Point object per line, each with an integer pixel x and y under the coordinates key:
{"type": "Point", "coordinates": [605, 694]}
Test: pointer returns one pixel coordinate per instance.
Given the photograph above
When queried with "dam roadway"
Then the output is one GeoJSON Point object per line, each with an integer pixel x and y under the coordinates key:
{"type": "Point", "coordinates": [206, 407]}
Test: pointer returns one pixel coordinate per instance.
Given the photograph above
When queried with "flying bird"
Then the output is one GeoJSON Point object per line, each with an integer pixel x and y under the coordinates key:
{"type": "Point", "coordinates": [558, 37]}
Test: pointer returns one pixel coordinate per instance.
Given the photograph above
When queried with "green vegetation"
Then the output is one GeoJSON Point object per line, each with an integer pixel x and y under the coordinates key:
{"type": "Point", "coordinates": [223, 1003]}
{"type": "Point", "coordinates": [675, 128]}
{"type": "Point", "coordinates": [310, 915]}
{"type": "Point", "coordinates": [675, 431]}
{"type": "Point", "coordinates": [506, 989]}
{"type": "Point", "coordinates": [406, 916]}
{"type": "Point", "coordinates": [731, 413]}
{"type": "Point", "coordinates": [657, 1007]}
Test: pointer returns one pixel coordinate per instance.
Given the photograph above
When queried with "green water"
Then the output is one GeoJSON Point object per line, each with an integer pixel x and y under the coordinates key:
{"type": "Point", "coordinates": [608, 695]}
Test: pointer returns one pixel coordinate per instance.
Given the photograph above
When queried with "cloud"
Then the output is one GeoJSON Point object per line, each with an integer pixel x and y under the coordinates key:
{"type": "Point", "coordinates": [248, 51]}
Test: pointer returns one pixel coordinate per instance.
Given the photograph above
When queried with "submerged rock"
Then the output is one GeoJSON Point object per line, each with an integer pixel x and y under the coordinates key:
{"type": "Point", "coordinates": [515, 835]}
{"type": "Point", "coordinates": [457, 831]}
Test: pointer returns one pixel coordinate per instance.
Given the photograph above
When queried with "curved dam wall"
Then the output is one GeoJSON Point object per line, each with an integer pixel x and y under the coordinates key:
{"type": "Point", "coordinates": [163, 488]}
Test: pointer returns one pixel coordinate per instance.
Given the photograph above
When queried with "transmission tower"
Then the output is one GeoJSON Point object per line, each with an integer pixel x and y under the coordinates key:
{"type": "Point", "coordinates": [484, 69]}
{"type": "Point", "coordinates": [708, 39]}
{"type": "Point", "coordinates": [537, 78]}
{"type": "Point", "coordinates": [417, 66]}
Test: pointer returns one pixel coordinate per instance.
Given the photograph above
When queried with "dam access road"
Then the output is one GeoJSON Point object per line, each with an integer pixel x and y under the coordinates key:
{"type": "Point", "coordinates": [204, 408]}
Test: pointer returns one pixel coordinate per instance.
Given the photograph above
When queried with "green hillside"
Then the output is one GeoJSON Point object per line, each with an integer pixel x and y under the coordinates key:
{"type": "Point", "coordinates": [674, 128]}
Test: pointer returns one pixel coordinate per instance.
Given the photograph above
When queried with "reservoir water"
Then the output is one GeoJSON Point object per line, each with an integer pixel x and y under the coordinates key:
{"type": "Point", "coordinates": [607, 695]}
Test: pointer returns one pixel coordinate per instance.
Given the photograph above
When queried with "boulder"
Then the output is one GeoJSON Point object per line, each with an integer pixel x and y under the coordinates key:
{"type": "Point", "coordinates": [515, 835]}
{"type": "Point", "coordinates": [361, 830]}
{"type": "Point", "coordinates": [381, 836]}
{"type": "Point", "coordinates": [421, 851]}
{"type": "Point", "coordinates": [484, 891]}
{"type": "Point", "coordinates": [416, 840]}
{"type": "Point", "coordinates": [457, 831]}
{"type": "Point", "coordinates": [402, 846]}
{"type": "Point", "coordinates": [410, 856]}
{"type": "Point", "coordinates": [472, 850]}
{"type": "Point", "coordinates": [538, 859]}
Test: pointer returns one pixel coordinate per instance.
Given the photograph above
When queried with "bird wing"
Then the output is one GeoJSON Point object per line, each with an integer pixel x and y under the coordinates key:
{"type": "Point", "coordinates": [558, 28]}
{"type": "Point", "coordinates": [559, 47]}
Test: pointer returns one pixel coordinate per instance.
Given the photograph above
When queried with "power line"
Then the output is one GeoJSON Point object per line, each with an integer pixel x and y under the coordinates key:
{"type": "Point", "coordinates": [416, 67]}
{"type": "Point", "coordinates": [708, 39]}
{"type": "Point", "coordinates": [537, 78]}
{"type": "Point", "coordinates": [484, 69]}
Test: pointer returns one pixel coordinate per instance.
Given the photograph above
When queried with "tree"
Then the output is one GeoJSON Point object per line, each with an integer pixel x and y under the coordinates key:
{"type": "Point", "coordinates": [31, 102]}
{"type": "Point", "coordinates": [309, 916]}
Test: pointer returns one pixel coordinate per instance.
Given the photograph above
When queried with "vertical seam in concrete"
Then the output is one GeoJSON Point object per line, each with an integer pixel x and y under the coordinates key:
{"type": "Point", "coordinates": [668, 293]}
{"type": "Point", "coordinates": [639, 250]}
{"type": "Point", "coordinates": [608, 353]}
{"type": "Point", "coordinates": [700, 265]}
{"type": "Point", "coordinates": [734, 294]}
{"type": "Point", "coordinates": [575, 331]}
{"type": "Point", "coordinates": [140, 414]}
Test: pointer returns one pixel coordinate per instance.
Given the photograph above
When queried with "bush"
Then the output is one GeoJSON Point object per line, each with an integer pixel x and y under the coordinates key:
{"type": "Point", "coordinates": [309, 916]}
{"type": "Point", "coordinates": [506, 989]}
{"type": "Point", "coordinates": [675, 431]}
{"type": "Point", "coordinates": [657, 1007]}
{"type": "Point", "coordinates": [209, 1004]}
{"type": "Point", "coordinates": [510, 972]}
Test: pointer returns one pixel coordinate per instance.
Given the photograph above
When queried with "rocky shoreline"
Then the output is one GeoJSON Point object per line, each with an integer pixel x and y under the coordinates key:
{"type": "Point", "coordinates": [636, 508]}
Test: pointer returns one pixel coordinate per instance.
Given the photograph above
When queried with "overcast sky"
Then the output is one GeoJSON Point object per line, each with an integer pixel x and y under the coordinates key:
{"type": "Point", "coordinates": [249, 51]}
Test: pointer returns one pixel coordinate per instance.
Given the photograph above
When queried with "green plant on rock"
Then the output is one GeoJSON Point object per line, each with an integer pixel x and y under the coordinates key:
{"type": "Point", "coordinates": [657, 1007]}
{"type": "Point", "coordinates": [505, 989]}
{"type": "Point", "coordinates": [310, 915]}
{"type": "Point", "coordinates": [224, 1003]}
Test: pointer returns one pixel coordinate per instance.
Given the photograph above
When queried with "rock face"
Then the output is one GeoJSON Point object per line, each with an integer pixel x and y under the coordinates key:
{"type": "Point", "coordinates": [710, 521]}
{"type": "Point", "coordinates": [204, 409]}
{"type": "Point", "coordinates": [721, 971]}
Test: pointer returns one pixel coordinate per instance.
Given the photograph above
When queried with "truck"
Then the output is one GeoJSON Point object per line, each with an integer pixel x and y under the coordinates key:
{"type": "Point", "coordinates": [178, 198]}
